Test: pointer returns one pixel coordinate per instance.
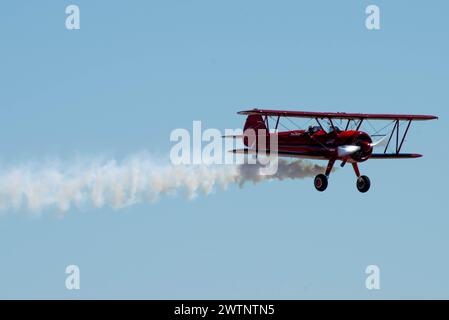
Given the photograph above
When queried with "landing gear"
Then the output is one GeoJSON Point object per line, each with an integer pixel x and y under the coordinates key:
{"type": "Point", "coordinates": [363, 184]}
{"type": "Point", "coordinates": [321, 182]}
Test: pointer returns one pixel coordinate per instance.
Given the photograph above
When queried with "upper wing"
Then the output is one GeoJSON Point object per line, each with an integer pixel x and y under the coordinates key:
{"type": "Point", "coordinates": [337, 115]}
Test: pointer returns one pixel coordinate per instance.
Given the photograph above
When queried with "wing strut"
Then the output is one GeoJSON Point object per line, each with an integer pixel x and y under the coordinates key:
{"type": "Point", "coordinates": [319, 123]}
{"type": "Point", "coordinates": [403, 137]}
{"type": "Point", "coordinates": [347, 124]}
{"type": "Point", "coordinates": [396, 129]}
{"type": "Point", "coordinates": [277, 123]}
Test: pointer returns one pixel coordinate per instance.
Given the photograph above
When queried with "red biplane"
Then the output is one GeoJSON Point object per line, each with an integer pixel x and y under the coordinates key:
{"type": "Point", "coordinates": [341, 138]}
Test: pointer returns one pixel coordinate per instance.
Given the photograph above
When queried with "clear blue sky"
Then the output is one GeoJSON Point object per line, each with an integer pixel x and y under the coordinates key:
{"type": "Point", "coordinates": [136, 70]}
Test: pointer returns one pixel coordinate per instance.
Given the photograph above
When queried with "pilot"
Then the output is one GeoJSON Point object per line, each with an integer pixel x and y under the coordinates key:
{"type": "Point", "coordinates": [313, 129]}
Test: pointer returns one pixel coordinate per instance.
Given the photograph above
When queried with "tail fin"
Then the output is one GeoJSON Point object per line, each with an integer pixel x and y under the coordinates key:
{"type": "Point", "coordinates": [255, 122]}
{"type": "Point", "coordinates": [254, 126]}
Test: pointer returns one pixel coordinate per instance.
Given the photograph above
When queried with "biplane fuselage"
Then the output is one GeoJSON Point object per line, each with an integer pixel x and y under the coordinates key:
{"type": "Point", "coordinates": [345, 145]}
{"type": "Point", "coordinates": [321, 144]}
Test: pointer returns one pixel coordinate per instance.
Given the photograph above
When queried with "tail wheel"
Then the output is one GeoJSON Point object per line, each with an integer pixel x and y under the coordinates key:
{"type": "Point", "coordinates": [321, 182]}
{"type": "Point", "coordinates": [363, 184]}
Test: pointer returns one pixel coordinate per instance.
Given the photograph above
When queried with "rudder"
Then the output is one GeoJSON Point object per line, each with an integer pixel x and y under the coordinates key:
{"type": "Point", "coordinates": [254, 126]}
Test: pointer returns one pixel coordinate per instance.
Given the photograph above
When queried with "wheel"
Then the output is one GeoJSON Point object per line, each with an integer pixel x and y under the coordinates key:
{"type": "Point", "coordinates": [320, 182]}
{"type": "Point", "coordinates": [363, 184]}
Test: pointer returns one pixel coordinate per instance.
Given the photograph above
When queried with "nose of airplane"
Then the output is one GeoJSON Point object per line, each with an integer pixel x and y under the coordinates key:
{"type": "Point", "coordinates": [347, 150]}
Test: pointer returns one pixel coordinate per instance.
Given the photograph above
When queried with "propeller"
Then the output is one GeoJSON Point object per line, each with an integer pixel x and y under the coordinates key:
{"type": "Point", "coordinates": [373, 144]}
{"type": "Point", "coordinates": [347, 150]}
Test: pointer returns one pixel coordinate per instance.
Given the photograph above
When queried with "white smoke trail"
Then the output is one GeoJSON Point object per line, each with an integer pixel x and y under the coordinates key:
{"type": "Point", "coordinates": [63, 185]}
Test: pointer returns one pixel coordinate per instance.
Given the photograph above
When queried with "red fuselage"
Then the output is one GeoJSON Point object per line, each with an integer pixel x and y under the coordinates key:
{"type": "Point", "coordinates": [320, 144]}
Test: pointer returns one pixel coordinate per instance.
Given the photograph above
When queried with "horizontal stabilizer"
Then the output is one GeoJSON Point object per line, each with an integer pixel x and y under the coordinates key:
{"type": "Point", "coordinates": [279, 154]}
{"type": "Point", "coordinates": [233, 136]}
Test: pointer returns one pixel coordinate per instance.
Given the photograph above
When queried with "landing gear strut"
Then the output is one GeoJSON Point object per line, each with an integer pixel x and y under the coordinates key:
{"type": "Point", "coordinates": [363, 182]}
{"type": "Point", "coordinates": [321, 180]}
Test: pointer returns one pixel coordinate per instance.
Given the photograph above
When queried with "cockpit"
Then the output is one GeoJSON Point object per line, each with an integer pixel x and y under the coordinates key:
{"type": "Point", "coordinates": [313, 129]}
{"type": "Point", "coordinates": [334, 128]}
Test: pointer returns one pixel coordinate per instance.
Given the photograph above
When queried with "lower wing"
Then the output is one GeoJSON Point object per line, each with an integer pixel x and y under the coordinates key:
{"type": "Point", "coordinates": [317, 156]}
{"type": "Point", "coordinates": [395, 155]}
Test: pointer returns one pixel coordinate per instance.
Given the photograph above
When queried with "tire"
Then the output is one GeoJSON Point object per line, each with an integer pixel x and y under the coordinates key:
{"type": "Point", "coordinates": [321, 182]}
{"type": "Point", "coordinates": [363, 184]}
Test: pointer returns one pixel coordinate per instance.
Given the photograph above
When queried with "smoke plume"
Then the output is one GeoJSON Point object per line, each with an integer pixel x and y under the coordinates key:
{"type": "Point", "coordinates": [110, 183]}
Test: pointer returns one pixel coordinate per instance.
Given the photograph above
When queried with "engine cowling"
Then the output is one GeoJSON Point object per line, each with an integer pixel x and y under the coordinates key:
{"type": "Point", "coordinates": [366, 149]}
